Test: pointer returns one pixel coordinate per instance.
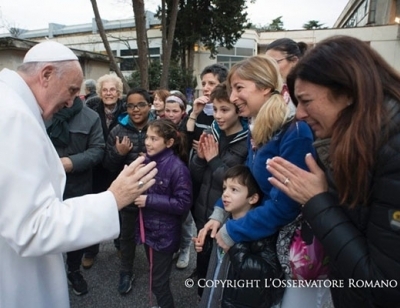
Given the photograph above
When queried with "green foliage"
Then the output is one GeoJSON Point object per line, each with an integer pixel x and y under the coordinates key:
{"type": "Point", "coordinates": [179, 79]}
{"type": "Point", "coordinates": [313, 24]}
{"type": "Point", "coordinates": [276, 24]}
{"type": "Point", "coordinates": [210, 22]}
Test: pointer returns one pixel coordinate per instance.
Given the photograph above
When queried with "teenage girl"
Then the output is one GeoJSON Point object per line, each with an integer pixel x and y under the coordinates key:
{"type": "Point", "coordinates": [165, 204]}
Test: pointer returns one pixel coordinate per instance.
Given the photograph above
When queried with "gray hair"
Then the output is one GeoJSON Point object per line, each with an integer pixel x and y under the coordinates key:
{"type": "Point", "coordinates": [90, 85]}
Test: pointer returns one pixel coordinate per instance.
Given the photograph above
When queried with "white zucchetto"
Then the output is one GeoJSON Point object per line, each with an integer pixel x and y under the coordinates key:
{"type": "Point", "coordinates": [49, 51]}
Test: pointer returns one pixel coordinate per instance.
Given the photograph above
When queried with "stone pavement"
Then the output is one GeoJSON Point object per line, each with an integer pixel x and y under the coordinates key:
{"type": "Point", "coordinates": [103, 278]}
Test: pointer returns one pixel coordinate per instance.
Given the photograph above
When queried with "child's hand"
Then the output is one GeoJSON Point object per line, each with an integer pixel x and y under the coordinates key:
{"type": "Point", "coordinates": [140, 201]}
{"type": "Point", "coordinates": [124, 146]}
{"type": "Point", "coordinates": [209, 147]}
{"type": "Point", "coordinates": [212, 225]}
{"type": "Point", "coordinates": [200, 239]}
{"type": "Point", "coordinates": [199, 149]}
{"type": "Point", "coordinates": [197, 245]}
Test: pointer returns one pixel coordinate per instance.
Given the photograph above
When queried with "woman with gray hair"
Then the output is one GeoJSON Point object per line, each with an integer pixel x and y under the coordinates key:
{"type": "Point", "coordinates": [108, 104]}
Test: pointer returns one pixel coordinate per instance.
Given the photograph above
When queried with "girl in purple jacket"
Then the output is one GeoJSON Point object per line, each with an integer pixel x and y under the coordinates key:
{"type": "Point", "coordinates": [165, 204]}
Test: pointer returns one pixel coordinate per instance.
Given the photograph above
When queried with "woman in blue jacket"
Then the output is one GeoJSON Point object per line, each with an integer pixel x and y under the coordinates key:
{"type": "Point", "coordinates": [256, 90]}
{"type": "Point", "coordinates": [255, 84]}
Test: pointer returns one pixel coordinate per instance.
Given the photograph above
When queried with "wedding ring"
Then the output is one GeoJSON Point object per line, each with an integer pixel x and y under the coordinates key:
{"type": "Point", "coordinates": [286, 181]}
{"type": "Point", "coordinates": [141, 183]}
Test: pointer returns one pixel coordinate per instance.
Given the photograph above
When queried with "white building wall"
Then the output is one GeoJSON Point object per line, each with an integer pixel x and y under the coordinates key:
{"type": "Point", "coordinates": [384, 39]}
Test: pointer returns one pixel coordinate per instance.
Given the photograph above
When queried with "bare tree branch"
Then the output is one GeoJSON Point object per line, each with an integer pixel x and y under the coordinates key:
{"type": "Point", "coordinates": [103, 36]}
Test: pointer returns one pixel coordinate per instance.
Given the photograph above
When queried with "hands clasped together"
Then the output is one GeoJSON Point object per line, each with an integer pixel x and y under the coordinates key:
{"type": "Point", "coordinates": [208, 147]}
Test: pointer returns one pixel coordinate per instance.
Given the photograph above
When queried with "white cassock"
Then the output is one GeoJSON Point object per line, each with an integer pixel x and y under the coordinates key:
{"type": "Point", "coordinates": [35, 225]}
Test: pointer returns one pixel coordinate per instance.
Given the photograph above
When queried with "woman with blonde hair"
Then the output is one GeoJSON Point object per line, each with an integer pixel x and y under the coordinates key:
{"type": "Point", "coordinates": [255, 84]}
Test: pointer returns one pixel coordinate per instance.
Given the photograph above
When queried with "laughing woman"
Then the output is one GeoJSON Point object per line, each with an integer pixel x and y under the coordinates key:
{"type": "Point", "coordinates": [255, 89]}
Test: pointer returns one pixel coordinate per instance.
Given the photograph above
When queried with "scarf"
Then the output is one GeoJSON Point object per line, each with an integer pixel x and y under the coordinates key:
{"type": "Point", "coordinates": [109, 115]}
{"type": "Point", "coordinates": [58, 131]}
{"type": "Point", "coordinates": [209, 109]}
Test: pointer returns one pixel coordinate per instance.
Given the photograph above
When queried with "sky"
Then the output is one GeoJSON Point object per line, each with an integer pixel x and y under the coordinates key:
{"type": "Point", "coordinates": [32, 15]}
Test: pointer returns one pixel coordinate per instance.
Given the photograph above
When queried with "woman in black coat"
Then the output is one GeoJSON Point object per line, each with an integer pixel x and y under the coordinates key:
{"type": "Point", "coordinates": [350, 97]}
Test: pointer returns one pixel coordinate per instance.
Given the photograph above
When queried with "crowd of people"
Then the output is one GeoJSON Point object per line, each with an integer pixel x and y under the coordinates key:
{"type": "Point", "coordinates": [286, 167]}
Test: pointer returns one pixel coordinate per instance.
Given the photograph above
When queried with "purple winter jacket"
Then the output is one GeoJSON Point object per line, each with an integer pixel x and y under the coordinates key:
{"type": "Point", "coordinates": [167, 204]}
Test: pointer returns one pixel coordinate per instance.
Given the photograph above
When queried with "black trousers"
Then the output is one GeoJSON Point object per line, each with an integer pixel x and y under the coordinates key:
{"type": "Point", "coordinates": [74, 259]}
{"type": "Point", "coordinates": [92, 251]}
{"type": "Point", "coordinates": [162, 265]}
{"type": "Point", "coordinates": [202, 261]}
{"type": "Point", "coordinates": [127, 239]}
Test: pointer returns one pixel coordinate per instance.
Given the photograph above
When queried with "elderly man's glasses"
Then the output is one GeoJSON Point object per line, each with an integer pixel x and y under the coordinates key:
{"type": "Point", "coordinates": [140, 105]}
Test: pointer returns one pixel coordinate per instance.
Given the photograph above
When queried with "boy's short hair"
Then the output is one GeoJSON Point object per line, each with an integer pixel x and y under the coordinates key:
{"type": "Point", "coordinates": [144, 93]}
{"type": "Point", "coordinates": [216, 69]}
{"type": "Point", "coordinates": [220, 93]}
{"type": "Point", "coordinates": [244, 176]}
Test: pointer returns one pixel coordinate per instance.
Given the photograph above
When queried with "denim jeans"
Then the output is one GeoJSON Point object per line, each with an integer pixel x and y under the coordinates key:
{"type": "Point", "coordinates": [187, 232]}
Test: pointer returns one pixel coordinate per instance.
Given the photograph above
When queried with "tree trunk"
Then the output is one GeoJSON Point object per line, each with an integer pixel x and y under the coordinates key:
{"type": "Point", "coordinates": [103, 36]}
{"type": "Point", "coordinates": [141, 39]}
{"type": "Point", "coordinates": [167, 42]}
{"type": "Point", "coordinates": [190, 56]}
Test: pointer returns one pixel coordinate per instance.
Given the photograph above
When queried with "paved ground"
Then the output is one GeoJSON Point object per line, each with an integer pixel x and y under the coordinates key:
{"type": "Point", "coordinates": [103, 279]}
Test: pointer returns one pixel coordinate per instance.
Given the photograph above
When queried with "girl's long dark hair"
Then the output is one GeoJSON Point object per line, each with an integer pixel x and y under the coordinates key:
{"type": "Point", "coordinates": [166, 129]}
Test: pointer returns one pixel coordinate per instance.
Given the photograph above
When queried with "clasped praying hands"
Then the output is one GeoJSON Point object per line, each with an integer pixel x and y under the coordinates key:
{"type": "Point", "coordinates": [208, 147]}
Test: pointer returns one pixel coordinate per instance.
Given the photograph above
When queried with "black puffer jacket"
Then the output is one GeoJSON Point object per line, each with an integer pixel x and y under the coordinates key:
{"type": "Point", "coordinates": [251, 263]}
{"type": "Point", "coordinates": [113, 161]}
{"type": "Point", "coordinates": [210, 174]}
{"type": "Point", "coordinates": [364, 243]}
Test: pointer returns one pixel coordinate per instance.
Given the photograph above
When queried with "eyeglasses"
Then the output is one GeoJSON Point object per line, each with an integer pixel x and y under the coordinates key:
{"type": "Point", "coordinates": [112, 90]}
{"type": "Point", "coordinates": [140, 105]}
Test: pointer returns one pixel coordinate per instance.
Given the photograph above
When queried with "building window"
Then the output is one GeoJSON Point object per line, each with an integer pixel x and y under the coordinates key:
{"type": "Point", "coordinates": [248, 52]}
{"type": "Point", "coordinates": [226, 51]}
{"type": "Point", "coordinates": [229, 61]}
{"type": "Point", "coordinates": [359, 17]}
{"type": "Point", "coordinates": [134, 52]}
{"type": "Point", "coordinates": [132, 64]}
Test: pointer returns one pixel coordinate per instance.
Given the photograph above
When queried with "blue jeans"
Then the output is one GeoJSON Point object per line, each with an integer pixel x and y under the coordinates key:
{"type": "Point", "coordinates": [187, 231]}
